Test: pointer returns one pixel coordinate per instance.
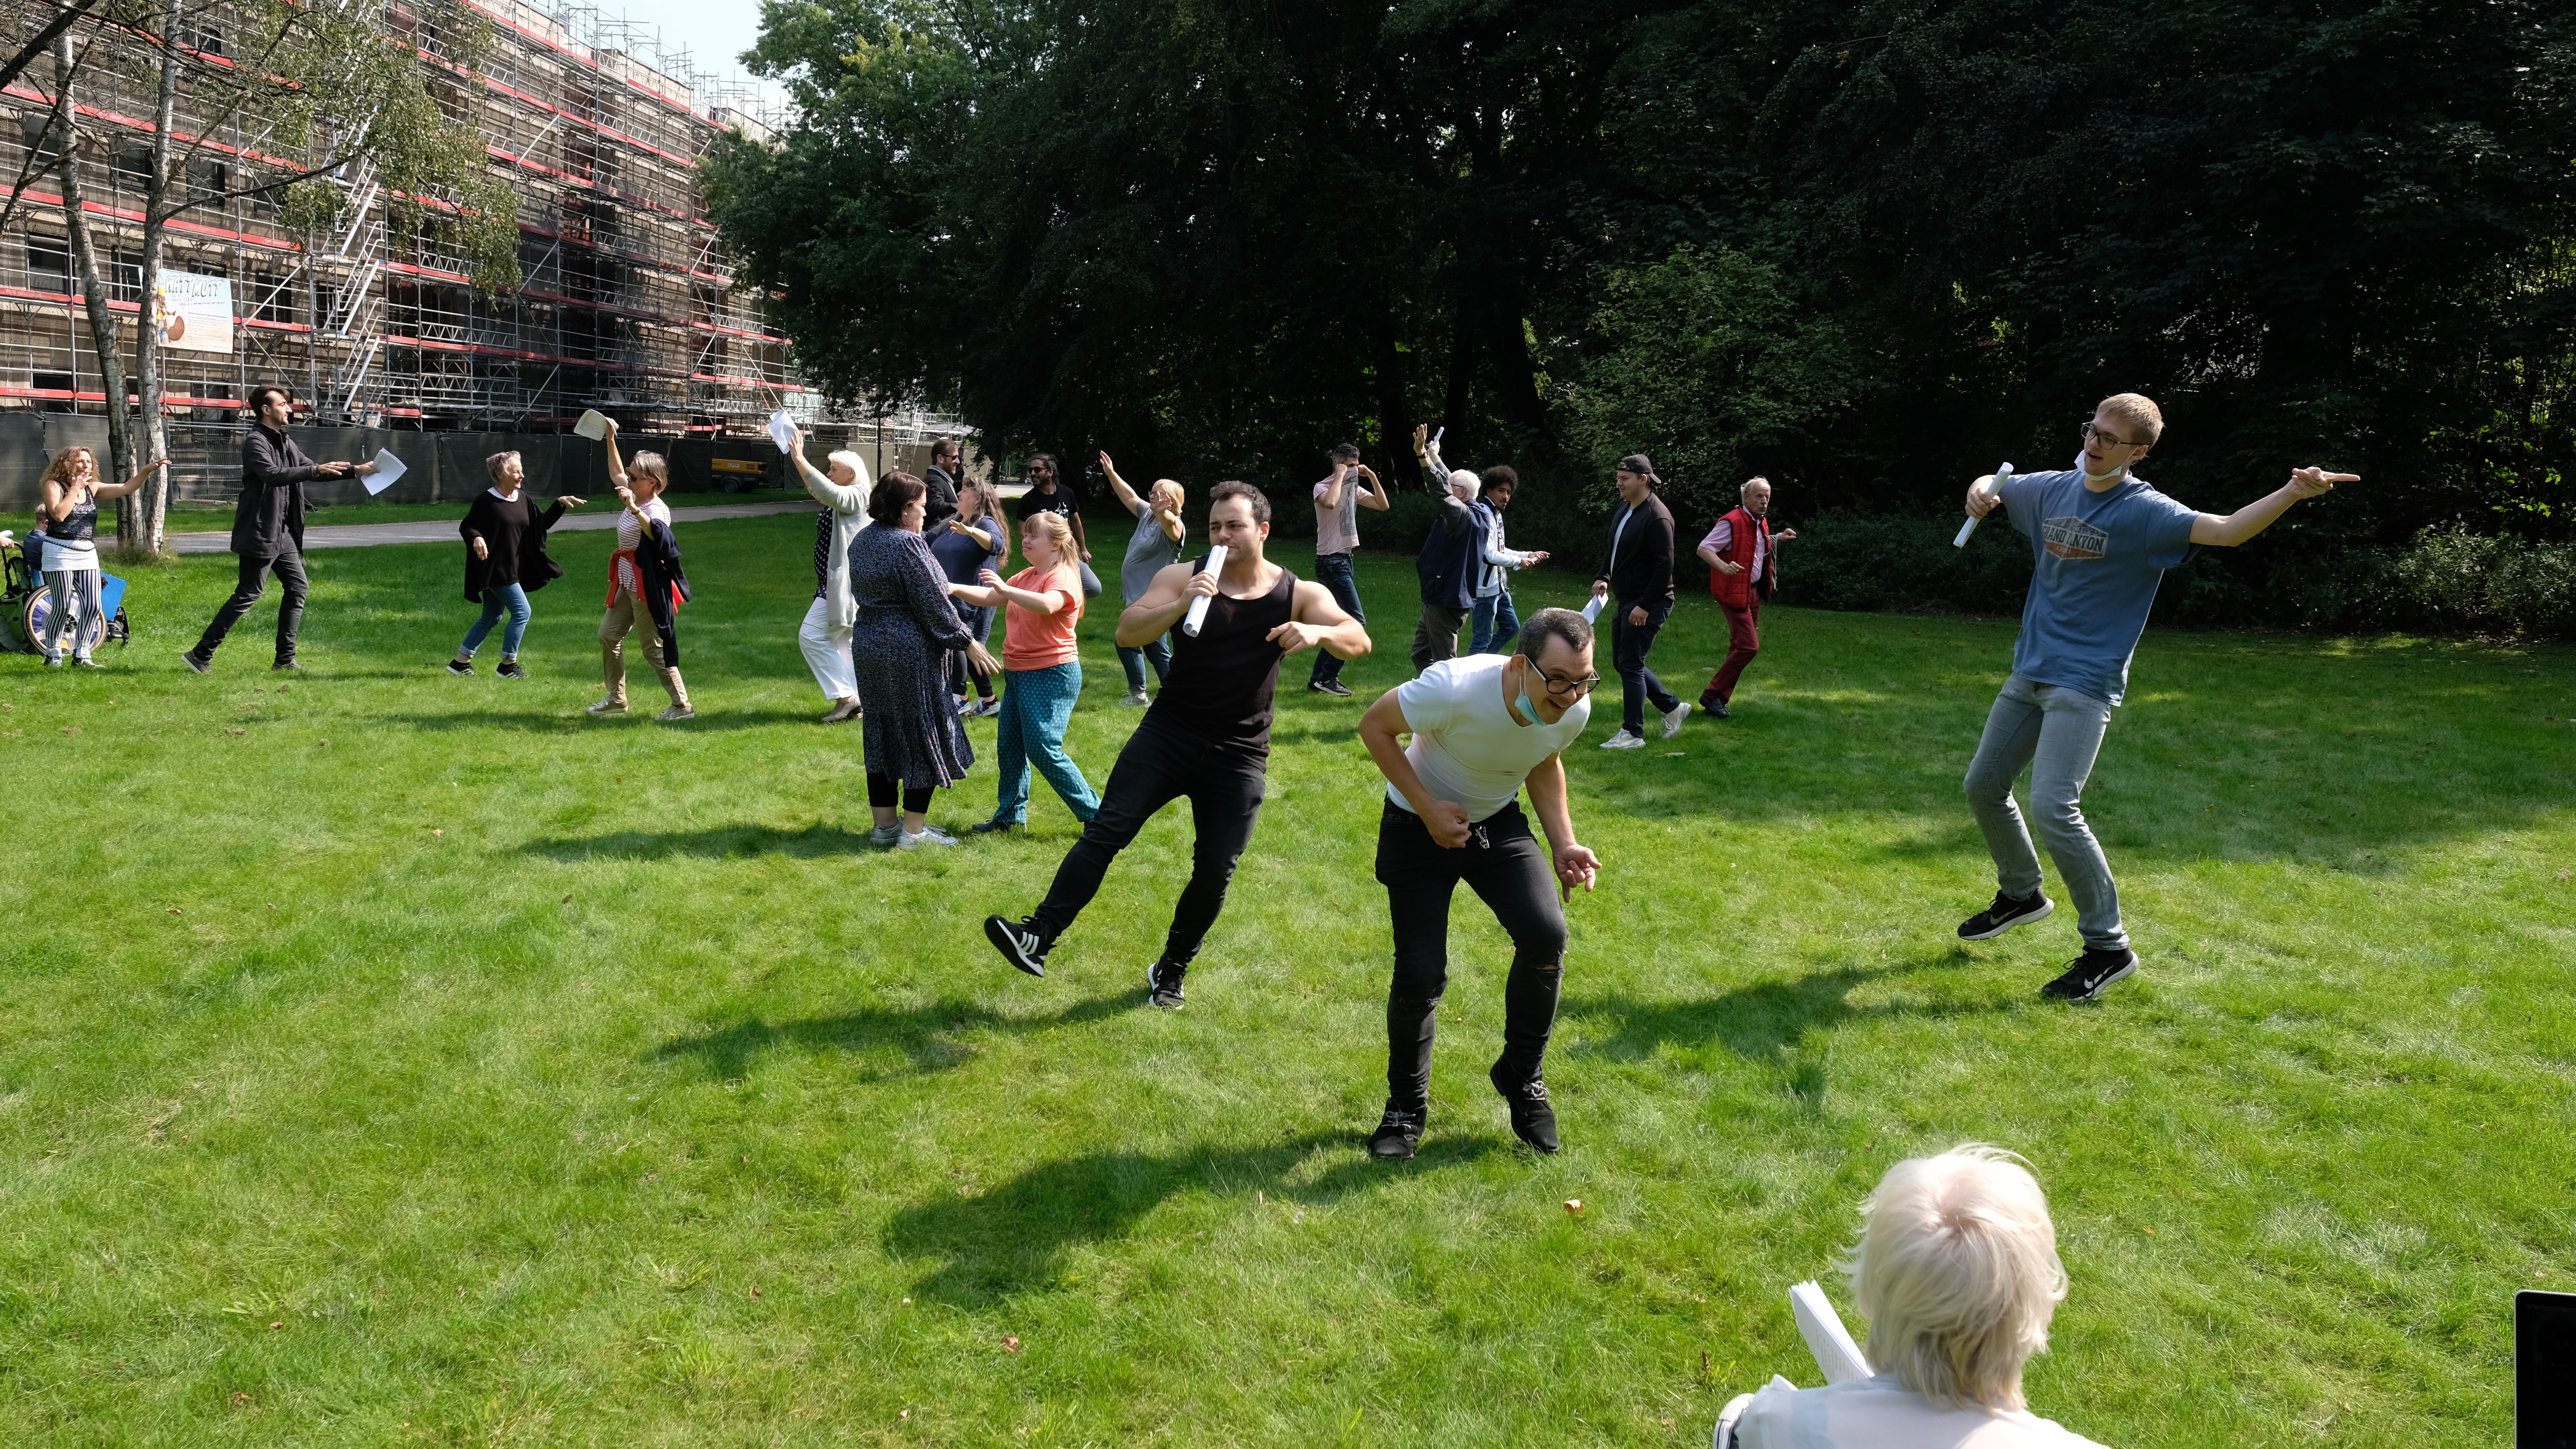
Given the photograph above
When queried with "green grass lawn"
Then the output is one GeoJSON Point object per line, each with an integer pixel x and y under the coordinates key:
{"type": "Point", "coordinates": [389, 1058]}
{"type": "Point", "coordinates": [200, 515]}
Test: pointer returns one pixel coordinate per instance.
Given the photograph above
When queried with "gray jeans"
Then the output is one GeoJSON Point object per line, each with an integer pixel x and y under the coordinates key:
{"type": "Point", "coordinates": [2055, 733]}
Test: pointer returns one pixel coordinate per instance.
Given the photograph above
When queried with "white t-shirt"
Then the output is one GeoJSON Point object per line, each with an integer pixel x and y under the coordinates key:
{"type": "Point", "coordinates": [1880, 1413]}
{"type": "Point", "coordinates": [1465, 746]}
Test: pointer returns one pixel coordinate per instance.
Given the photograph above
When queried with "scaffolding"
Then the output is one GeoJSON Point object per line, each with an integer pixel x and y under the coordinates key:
{"type": "Point", "coordinates": [627, 302]}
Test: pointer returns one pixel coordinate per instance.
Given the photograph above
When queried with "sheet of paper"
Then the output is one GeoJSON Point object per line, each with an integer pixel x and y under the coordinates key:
{"type": "Point", "coordinates": [782, 431]}
{"type": "Point", "coordinates": [1827, 1339]}
{"type": "Point", "coordinates": [593, 424]}
{"type": "Point", "coordinates": [389, 471]}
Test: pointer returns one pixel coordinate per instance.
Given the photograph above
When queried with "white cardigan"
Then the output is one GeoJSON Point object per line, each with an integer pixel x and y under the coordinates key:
{"type": "Point", "coordinates": [849, 515]}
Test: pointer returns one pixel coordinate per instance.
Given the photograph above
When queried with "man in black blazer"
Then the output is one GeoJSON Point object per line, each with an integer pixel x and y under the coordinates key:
{"type": "Point", "coordinates": [268, 526]}
{"type": "Point", "coordinates": [1637, 571]}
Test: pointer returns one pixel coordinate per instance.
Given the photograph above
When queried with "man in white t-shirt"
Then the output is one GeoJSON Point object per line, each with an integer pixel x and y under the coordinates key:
{"type": "Point", "coordinates": [1483, 726]}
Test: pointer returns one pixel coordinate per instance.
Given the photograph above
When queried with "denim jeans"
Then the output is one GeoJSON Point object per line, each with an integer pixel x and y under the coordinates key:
{"type": "Point", "coordinates": [1637, 684]}
{"type": "Point", "coordinates": [1036, 706]}
{"type": "Point", "coordinates": [496, 600]}
{"type": "Point", "coordinates": [1336, 573]}
{"type": "Point", "coordinates": [1496, 624]}
{"type": "Point", "coordinates": [2055, 732]}
{"type": "Point", "coordinates": [1157, 651]}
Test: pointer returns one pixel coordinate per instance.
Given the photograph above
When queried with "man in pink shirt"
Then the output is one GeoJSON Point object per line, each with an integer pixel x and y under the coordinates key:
{"type": "Point", "coordinates": [1743, 561]}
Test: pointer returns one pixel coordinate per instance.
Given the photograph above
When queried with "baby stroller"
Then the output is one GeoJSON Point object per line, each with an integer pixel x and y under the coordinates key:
{"type": "Point", "coordinates": [27, 605]}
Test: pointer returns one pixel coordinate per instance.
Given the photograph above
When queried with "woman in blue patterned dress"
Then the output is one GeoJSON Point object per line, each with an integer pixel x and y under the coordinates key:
{"type": "Point", "coordinates": [899, 645]}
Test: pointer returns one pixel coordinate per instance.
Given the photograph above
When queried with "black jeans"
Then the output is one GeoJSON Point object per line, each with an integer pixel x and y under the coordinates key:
{"type": "Point", "coordinates": [1638, 684]}
{"type": "Point", "coordinates": [1507, 867]}
{"type": "Point", "coordinates": [289, 569]}
{"type": "Point", "coordinates": [1159, 765]}
{"type": "Point", "coordinates": [1334, 571]}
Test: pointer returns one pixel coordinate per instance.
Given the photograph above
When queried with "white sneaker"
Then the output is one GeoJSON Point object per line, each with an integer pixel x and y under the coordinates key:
{"type": "Point", "coordinates": [1624, 741]}
{"type": "Point", "coordinates": [930, 835]}
{"type": "Point", "coordinates": [1673, 719]}
{"type": "Point", "coordinates": [1137, 699]}
{"type": "Point", "coordinates": [606, 706]}
{"type": "Point", "coordinates": [885, 837]}
{"type": "Point", "coordinates": [676, 713]}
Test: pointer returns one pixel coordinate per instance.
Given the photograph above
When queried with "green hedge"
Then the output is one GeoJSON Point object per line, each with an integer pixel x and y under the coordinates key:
{"type": "Point", "coordinates": [2446, 581]}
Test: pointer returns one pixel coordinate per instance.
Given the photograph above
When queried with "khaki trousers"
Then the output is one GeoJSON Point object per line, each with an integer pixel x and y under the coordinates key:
{"type": "Point", "coordinates": [620, 620]}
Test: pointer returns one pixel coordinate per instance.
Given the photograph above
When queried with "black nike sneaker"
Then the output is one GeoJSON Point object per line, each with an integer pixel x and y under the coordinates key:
{"type": "Point", "coordinates": [2006, 913]}
{"type": "Point", "coordinates": [1398, 1133]}
{"type": "Point", "coordinates": [1533, 1120]}
{"type": "Point", "coordinates": [1163, 984]}
{"type": "Point", "coordinates": [2091, 972]}
{"type": "Point", "coordinates": [1019, 943]}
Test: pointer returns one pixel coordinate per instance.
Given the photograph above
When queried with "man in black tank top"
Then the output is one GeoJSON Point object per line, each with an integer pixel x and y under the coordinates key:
{"type": "Point", "coordinates": [1207, 736]}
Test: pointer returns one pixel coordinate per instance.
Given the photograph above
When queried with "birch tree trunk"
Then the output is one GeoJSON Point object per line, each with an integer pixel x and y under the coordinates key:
{"type": "Point", "coordinates": [103, 330]}
{"type": "Point", "coordinates": [158, 208]}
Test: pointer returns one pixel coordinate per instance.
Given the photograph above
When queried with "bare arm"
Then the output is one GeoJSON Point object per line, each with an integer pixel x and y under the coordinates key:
{"type": "Point", "coordinates": [1050, 602]}
{"type": "Point", "coordinates": [1331, 497]}
{"type": "Point", "coordinates": [1173, 528]}
{"type": "Point", "coordinates": [1375, 497]}
{"type": "Point", "coordinates": [1162, 605]}
{"type": "Point", "coordinates": [2260, 514]}
{"type": "Point", "coordinates": [119, 490]}
{"type": "Point", "coordinates": [1380, 727]}
{"type": "Point", "coordinates": [1315, 619]}
{"type": "Point", "coordinates": [617, 466]}
{"type": "Point", "coordinates": [1576, 865]}
{"type": "Point", "coordinates": [58, 501]}
{"type": "Point", "coordinates": [1126, 495]}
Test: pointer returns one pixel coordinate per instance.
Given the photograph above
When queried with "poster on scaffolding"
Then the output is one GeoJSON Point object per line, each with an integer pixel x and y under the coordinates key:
{"type": "Point", "coordinates": [194, 313]}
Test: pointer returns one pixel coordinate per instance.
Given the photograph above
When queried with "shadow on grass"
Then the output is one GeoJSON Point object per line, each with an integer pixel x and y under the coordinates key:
{"type": "Point", "coordinates": [1783, 1022]}
{"type": "Point", "coordinates": [718, 721]}
{"type": "Point", "coordinates": [724, 842]}
{"type": "Point", "coordinates": [1011, 1238]}
{"type": "Point", "coordinates": [930, 1038]}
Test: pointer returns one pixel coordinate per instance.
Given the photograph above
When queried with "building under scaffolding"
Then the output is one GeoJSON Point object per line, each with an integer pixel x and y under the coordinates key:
{"type": "Point", "coordinates": [628, 304]}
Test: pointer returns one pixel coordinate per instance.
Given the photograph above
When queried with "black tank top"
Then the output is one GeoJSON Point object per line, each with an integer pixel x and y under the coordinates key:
{"type": "Point", "coordinates": [1222, 680]}
{"type": "Point", "coordinates": [80, 523]}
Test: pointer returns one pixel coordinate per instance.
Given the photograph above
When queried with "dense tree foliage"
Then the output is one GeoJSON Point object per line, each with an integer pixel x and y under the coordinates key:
{"type": "Point", "coordinates": [1867, 249]}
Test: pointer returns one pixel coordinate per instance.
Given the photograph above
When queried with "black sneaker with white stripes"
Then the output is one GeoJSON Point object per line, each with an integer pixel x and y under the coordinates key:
{"type": "Point", "coordinates": [2091, 972]}
{"type": "Point", "coordinates": [2006, 913]}
{"type": "Point", "coordinates": [1398, 1133]}
{"type": "Point", "coordinates": [1019, 943]}
{"type": "Point", "coordinates": [1163, 984]}
{"type": "Point", "coordinates": [1533, 1119]}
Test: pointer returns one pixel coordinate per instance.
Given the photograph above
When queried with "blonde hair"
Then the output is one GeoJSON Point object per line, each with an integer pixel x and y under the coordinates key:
{"type": "Point", "coordinates": [1057, 531]}
{"type": "Point", "coordinates": [2136, 412]}
{"type": "Point", "coordinates": [1957, 1270]}
{"type": "Point", "coordinates": [650, 465]}
{"type": "Point", "coordinates": [60, 470]}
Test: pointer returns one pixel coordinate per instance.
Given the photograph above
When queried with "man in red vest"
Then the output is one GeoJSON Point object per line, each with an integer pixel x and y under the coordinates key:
{"type": "Point", "coordinates": [1743, 558]}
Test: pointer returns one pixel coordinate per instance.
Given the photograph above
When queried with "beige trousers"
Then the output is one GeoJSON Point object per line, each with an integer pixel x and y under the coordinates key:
{"type": "Point", "coordinates": [621, 619]}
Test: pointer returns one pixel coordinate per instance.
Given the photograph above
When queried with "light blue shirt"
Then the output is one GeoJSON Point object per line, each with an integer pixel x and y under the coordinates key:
{"type": "Point", "coordinates": [2096, 561]}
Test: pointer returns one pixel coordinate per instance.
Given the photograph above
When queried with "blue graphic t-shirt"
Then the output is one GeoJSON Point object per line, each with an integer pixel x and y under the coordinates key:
{"type": "Point", "coordinates": [2097, 560]}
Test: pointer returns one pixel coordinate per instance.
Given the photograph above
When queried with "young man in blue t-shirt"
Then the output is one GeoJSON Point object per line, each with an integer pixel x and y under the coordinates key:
{"type": "Point", "coordinates": [2101, 540]}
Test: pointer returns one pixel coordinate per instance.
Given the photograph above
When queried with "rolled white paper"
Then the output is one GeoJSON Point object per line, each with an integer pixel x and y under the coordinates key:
{"type": "Point", "coordinates": [1198, 604]}
{"type": "Point", "coordinates": [1993, 487]}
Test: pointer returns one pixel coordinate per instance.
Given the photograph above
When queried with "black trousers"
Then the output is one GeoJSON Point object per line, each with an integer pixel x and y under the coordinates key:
{"type": "Point", "coordinates": [1638, 685]}
{"type": "Point", "coordinates": [289, 568]}
{"type": "Point", "coordinates": [1159, 765]}
{"type": "Point", "coordinates": [1507, 867]}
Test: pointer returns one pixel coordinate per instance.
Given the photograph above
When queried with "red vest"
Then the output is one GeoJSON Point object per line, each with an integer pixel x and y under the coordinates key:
{"type": "Point", "coordinates": [1738, 590]}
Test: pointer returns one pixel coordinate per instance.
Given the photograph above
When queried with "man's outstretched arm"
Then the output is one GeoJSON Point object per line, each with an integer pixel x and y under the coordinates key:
{"type": "Point", "coordinates": [1316, 619]}
{"type": "Point", "coordinates": [2258, 515]}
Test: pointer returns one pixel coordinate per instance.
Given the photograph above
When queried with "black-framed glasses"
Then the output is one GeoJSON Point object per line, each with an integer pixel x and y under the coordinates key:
{"type": "Point", "coordinates": [2092, 433]}
{"type": "Point", "coordinates": [1561, 686]}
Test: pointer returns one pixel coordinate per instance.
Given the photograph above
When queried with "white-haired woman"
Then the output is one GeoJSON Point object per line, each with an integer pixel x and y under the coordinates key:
{"type": "Point", "coordinates": [842, 489]}
{"type": "Point", "coordinates": [1958, 1275]}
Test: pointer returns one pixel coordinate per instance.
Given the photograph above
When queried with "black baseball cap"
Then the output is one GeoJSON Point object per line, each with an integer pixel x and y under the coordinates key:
{"type": "Point", "coordinates": [1636, 463]}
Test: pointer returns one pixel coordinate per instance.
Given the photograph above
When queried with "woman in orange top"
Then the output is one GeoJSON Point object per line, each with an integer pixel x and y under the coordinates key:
{"type": "Point", "coordinates": [1041, 670]}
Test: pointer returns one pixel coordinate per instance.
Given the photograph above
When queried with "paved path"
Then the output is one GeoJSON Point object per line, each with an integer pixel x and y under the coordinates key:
{"type": "Point", "coordinates": [359, 535]}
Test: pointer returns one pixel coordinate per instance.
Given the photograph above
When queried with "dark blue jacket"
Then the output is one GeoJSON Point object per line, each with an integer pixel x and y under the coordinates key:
{"type": "Point", "coordinates": [1451, 556]}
